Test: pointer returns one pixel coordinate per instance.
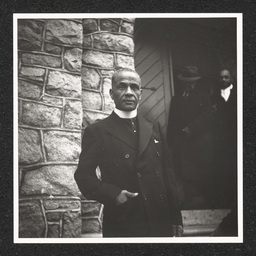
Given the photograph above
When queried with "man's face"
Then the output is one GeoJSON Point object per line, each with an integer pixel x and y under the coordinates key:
{"type": "Point", "coordinates": [126, 90]}
{"type": "Point", "coordinates": [225, 79]}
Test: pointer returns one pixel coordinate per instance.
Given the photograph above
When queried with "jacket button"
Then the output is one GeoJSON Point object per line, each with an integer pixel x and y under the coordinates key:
{"type": "Point", "coordinates": [139, 174]}
{"type": "Point", "coordinates": [145, 198]}
{"type": "Point", "coordinates": [158, 154]}
{"type": "Point", "coordinates": [157, 173]}
{"type": "Point", "coordinates": [127, 156]}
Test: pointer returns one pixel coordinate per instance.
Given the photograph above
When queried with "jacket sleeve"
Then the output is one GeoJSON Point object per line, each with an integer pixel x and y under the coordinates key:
{"type": "Point", "coordinates": [202, 122]}
{"type": "Point", "coordinates": [88, 183]}
{"type": "Point", "coordinates": [170, 182]}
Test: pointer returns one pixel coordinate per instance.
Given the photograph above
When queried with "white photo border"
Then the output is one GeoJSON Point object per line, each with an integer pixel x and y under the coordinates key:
{"type": "Point", "coordinates": [239, 18]}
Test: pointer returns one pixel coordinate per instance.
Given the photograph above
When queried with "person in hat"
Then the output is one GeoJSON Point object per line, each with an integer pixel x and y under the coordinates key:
{"type": "Point", "coordinates": [189, 138]}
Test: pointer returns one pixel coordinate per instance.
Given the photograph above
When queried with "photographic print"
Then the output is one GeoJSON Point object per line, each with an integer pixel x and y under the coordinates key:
{"type": "Point", "coordinates": [128, 128]}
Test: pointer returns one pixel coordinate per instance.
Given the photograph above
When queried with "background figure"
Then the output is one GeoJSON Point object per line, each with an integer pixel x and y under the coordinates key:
{"type": "Point", "coordinates": [224, 130]}
{"type": "Point", "coordinates": [137, 186]}
{"type": "Point", "coordinates": [225, 151]}
{"type": "Point", "coordinates": [190, 139]}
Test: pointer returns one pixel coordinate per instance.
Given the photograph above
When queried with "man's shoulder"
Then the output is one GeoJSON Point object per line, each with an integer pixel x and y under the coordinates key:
{"type": "Point", "coordinates": [149, 120]}
{"type": "Point", "coordinates": [99, 123]}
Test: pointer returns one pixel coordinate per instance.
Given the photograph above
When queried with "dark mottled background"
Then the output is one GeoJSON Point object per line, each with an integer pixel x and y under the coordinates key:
{"type": "Point", "coordinates": [8, 7]}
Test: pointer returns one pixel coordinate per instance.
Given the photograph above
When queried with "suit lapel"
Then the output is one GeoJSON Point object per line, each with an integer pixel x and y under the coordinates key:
{"type": "Point", "coordinates": [145, 133]}
{"type": "Point", "coordinates": [118, 129]}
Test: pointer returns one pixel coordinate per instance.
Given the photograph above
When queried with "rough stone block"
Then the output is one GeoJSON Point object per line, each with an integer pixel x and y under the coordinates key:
{"type": "Point", "coordinates": [91, 100]}
{"type": "Point", "coordinates": [108, 102]}
{"type": "Point", "coordinates": [110, 42]}
{"type": "Point", "coordinates": [31, 222]}
{"type": "Point", "coordinates": [72, 224]}
{"type": "Point", "coordinates": [53, 231]}
{"type": "Point", "coordinates": [100, 59]}
{"type": "Point", "coordinates": [51, 180]}
{"type": "Point", "coordinates": [30, 34]}
{"type": "Point", "coordinates": [53, 216]}
{"type": "Point", "coordinates": [116, 20]}
{"type": "Point", "coordinates": [91, 226]}
{"type": "Point", "coordinates": [64, 32]}
{"type": "Point", "coordinates": [108, 25]}
{"type": "Point", "coordinates": [73, 59]}
{"type": "Point", "coordinates": [29, 90]}
{"type": "Point", "coordinates": [62, 146]}
{"type": "Point", "coordinates": [52, 100]}
{"type": "Point", "coordinates": [124, 61]}
{"type": "Point", "coordinates": [132, 20]}
{"type": "Point", "coordinates": [90, 78]}
{"type": "Point", "coordinates": [40, 115]}
{"type": "Point", "coordinates": [73, 114]}
{"type": "Point", "coordinates": [54, 204]}
{"type": "Point", "coordinates": [51, 48]}
{"type": "Point", "coordinates": [90, 208]}
{"type": "Point", "coordinates": [91, 117]}
{"type": "Point", "coordinates": [29, 146]}
{"type": "Point", "coordinates": [39, 59]}
{"type": "Point", "coordinates": [127, 28]}
{"type": "Point", "coordinates": [89, 26]}
{"type": "Point", "coordinates": [87, 42]}
{"type": "Point", "coordinates": [63, 84]}
{"type": "Point", "coordinates": [32, 73]}
{"type": "Point", "coordinates": [107, 73]}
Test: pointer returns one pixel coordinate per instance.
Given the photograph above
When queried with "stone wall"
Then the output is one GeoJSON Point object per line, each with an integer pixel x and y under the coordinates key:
{"type": "Point", "coordinates": [50, 120]}
{"type": "Point", "coordinates": [65, 69]}
{"type": "Point", "coordinates": [107, 45]}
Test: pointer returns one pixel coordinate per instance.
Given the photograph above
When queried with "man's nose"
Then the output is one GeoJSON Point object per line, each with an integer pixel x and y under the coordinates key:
{"type": "Point", "coordinates": [129, 90]}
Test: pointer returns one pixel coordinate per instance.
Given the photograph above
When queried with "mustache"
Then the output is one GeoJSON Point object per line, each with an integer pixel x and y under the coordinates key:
{"type": "Point", "coordinates": [129, 98]}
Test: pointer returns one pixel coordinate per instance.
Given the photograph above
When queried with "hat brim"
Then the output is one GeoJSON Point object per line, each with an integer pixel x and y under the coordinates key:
{"type": "Point", "coordinates": [189, 79]}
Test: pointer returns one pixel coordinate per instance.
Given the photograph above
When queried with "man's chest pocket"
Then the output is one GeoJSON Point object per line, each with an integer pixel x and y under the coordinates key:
{"type": "Point", "coordinates": [156, 147]}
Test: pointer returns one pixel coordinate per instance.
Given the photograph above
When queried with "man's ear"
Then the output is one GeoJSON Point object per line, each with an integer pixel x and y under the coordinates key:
{"type": "Point", "coordinates": [111, 93]}
{"type": "Point", "coordinates": [140, 94]}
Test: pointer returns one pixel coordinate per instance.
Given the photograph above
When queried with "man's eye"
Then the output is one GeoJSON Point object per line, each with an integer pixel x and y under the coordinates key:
{"type": "Point", "coordinates": [135, 87]}
{"type": "Point", "coordinates": [121, 87]}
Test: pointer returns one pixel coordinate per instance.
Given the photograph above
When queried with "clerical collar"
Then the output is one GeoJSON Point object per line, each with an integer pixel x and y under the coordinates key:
{"type": "Point", "coordinates": [126, 114]}
{"type": "Point", "coordinates": [225, 93]}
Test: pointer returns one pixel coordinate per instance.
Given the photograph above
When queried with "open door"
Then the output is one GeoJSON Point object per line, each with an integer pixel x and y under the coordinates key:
{"type": "Point", "coordinates": [152, 62]}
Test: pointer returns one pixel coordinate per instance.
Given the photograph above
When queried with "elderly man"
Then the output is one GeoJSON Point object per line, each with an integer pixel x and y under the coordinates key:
{"type": "Point", "coordinates": [190, 139]}
{"type": "Point", "coordinates": [137, 185]}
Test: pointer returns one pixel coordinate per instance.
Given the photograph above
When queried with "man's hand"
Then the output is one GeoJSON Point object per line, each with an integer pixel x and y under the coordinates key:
{"type": "Point", "coordinates": [124, 196]}
{"type": "Point", "coordinates": [177, 230]}
{"type": "Point", "coordinates": [186, 132]}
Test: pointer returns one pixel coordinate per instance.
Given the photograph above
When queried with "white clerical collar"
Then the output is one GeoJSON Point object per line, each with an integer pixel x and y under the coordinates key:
{"type": "Point", "coordinates": [126, 114]}
{"type": "Point", "coordinates": [225, 93]}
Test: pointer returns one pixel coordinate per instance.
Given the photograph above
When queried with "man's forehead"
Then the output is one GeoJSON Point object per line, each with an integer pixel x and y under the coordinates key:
{"type": "Point", "coordinates": [225, 72]}
{"type": "Point", "coordinates": [127, 75]}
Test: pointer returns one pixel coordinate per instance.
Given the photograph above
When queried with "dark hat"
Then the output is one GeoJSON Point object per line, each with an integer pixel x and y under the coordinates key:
{"type": "Point", "coordinates": [189, 74]}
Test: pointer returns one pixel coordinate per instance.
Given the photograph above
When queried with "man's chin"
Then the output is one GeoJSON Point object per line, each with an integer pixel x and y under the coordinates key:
{"type": "Point", "coordinates": [129, 107]}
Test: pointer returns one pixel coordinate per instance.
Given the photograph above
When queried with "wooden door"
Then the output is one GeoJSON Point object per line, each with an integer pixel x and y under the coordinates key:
{"type": "Point", "coordinates": [152, 62]}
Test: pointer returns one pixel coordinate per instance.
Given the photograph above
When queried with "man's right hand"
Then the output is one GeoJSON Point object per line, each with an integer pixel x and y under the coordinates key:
{"type": "Point", "coordinates": [124, 196]}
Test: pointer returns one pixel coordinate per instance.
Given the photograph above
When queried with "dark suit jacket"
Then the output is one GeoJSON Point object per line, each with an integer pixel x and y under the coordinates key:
{"type": "Point", "coordinates": [193, 156]}
{"type": "Point", "coordinates": [224, 130]}
{"type": "Point", "coordinates": [146, 170]}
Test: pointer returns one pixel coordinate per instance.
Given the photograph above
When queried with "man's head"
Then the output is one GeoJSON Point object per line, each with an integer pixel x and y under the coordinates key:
{"type": "Point", "coordinates": [126, 89]}
{"type": "Point", "coordinates": [189, 77]}
{"type": "Point", "coordinates": [225, 78]}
